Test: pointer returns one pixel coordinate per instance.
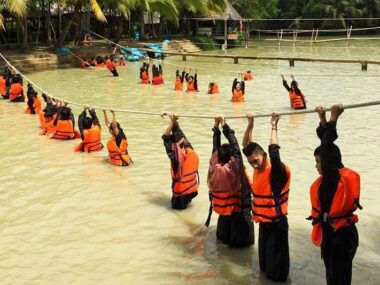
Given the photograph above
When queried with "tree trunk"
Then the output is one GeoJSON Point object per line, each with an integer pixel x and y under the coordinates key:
{"type": "Point", "coordinates": [47, 25]}
{"type": "Point", "coordinates": [67, 26]}
{"type": "Point", "coordinates": [59, 19]}
{"type": "Point", "coordinates": [142, 30]}
{"type": "Point", "coordinates": [24, 33]}
{"type": "Point", "coordinates": [120, 28]}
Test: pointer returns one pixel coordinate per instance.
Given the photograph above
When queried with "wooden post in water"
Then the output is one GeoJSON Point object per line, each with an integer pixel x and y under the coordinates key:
{"type": "Point", "coordinates": [280, 39]}
{"type": "Point", "coordinates": [291, 62]}
{"type": "Point", "coordinates": [364, 65]}
{"type": "Point", "coordinates": [225, 35]}
{"type": "Point", "coordinates": [184, 57]}
{"type": "Point", "coordinates": [312, 38]}
{"type": "Point", "coordinates": [349, 30]}
{"type": "Point", "coordinates": [236, 60]}
{"type": "Point", "coordinates": [316, 36]}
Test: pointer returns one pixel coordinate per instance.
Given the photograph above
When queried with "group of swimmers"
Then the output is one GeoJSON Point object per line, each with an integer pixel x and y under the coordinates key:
{"type": "Point", "coordinates": [334, 195]}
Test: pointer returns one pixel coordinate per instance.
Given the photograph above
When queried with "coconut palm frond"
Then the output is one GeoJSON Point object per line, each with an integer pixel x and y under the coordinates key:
{"type": "Point", "coordinates": [124, 10]}
{"type": "Point", "coordinates": [18, 7]}
{"type": "Point", "coordinates": [166, 8]}
{"type": "Point", "coordinates": [1, 22]}
{"type": "Point", "coordinates": [98, 11]}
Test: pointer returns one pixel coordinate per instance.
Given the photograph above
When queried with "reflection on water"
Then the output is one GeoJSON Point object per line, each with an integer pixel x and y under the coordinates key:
{"type": "Point", "coordinates": [73, 218]}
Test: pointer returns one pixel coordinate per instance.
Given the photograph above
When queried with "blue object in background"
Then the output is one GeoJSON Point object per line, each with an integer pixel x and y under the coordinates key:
{"type": "Point", "coordinates": [62, 51]}
{"type": "Point", "coordinates": [136, 35]}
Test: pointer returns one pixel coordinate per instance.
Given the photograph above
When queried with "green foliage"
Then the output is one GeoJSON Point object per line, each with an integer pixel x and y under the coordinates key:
{"type": "Point", "coordinates": [205, 43]}
{"type": "Point", "coordinates": [256, 9]}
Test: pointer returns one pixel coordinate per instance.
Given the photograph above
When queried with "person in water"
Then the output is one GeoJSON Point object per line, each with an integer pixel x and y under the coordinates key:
{"type": "Point", "coordinates": [213, 88]}
{"type": "Point", "coordinates": [179, 78]}
{"type": "Point", "coordinates": [334, 198]}
{"type": "Point", "coordinates": [157, 73]}
{"type": "Point", "coordinates": [184, 164]}
{"type": "Point", "coordinates": [85, 63]}
{"type": "Point", "coordinates": [117, 145]}
{"type": "Point", "coordinates": [64, 123]}
{"type": "Point", "coordinates": [248, 76]}
{"type": "Point", "coordinates": [192, 81]}
{"type": "Point", "coordinates": [121, 61]}
{"type": "Point", "coordinates": [229, 189]}
{"type": "Point", "coordinates": [271, 181]}
{"type": "Point", "coordinates": [90, 131]}
{"type": "Point", "coordinates": [33, 103]}
{"type": "Point", "coordinates": [238, 91]}
{"type": "Point", "coordinates": [297, 99]}
{"type": "Point", "coordinates": [111, 65]}
{"type": "Point", "coordinates": [144, 72]}
{"type": "Point", "coordinates": [16, 91]}
{"type": "Point", "coordinates": [3, 85]}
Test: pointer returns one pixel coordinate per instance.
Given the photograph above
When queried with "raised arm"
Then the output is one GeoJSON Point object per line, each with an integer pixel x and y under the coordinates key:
{"type": "Point", "coordinates": [242, 84]}
{"type": "Point", "coordinates": [230, 136]}
{"type": "Point", "coordinates": [234, 84]}
{"type": "Point", "coordinates": [80, 121]}
{"type": "Point", "coordinates": [285, 83]}
{"type": "Point", "coordinates": [114, 124]}
{"type": "Point", "coordinates": [248, 132]}
{"type": "Point", "coordinates": [216, 142]}
{"type": "Point", "coordinates": [106, 118]}
{"type": "Point", "coordinates": [94, 117]}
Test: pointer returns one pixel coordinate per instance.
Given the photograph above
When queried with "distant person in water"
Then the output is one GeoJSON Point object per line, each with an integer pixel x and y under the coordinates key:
{"type": "Point", "coordinates": [192, 81]}
{"type": "Point", "coordinates": [238, 91]}
{"type": "Point", "coordinates": [184, 164]}
{"type": "Point", "coordinates": [117, 145]}
{"type": "Point", "coordinates": [213, 88]}
{"type": "Point", "coordinates": [179, 78]}
{"type": "Point", "coordinates": [85, 63]}
{"type": "Point", "coordinates": [297, 99]}
{"type": "Point", "coordinates": [157, 73]}
{"type": "Point", "coordinates": [121, 61]}
{"type": "Point", "coordinates": [248, 76]}
{"type": "Point", "coordinates": [144, 72]}
{"type": "Point", "coordinates": [111, 65]}
{"type": "Point", "coordinates": [33, 103]}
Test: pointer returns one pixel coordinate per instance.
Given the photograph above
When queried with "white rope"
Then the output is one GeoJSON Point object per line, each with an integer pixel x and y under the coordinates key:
{"type": "Point", "coordinates": [358, 105]}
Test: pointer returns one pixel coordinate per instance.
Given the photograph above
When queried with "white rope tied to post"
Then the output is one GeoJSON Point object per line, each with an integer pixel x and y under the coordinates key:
{"type": "Point", "coordinates": [350, 106]}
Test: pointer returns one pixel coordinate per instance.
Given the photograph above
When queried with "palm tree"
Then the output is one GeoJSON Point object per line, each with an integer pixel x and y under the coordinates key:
{"type": "Point", "coordinates": [370, 9]}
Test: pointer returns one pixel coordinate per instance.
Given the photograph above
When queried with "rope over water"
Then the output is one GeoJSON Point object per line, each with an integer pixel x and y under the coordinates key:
{"type": "Point", "coordinates": [289, 113]}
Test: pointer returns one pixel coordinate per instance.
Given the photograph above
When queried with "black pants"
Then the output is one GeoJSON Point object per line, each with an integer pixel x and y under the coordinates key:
{"type": "Point", "coordinates": [114, 72]}
{"type": "Point", "coordinates": [236, 230]}
{"type": "Point", "coordinates": [338, 254]}
{"type": "Point", "coordinates": [181, 202]}
{"type": "Point", "coordinates": [19, 99]}
{"type": "Point", "coordinates": [274, 250]}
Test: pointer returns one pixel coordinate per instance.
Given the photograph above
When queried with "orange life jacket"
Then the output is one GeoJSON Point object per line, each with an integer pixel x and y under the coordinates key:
{"type": "Point", "coordinates": [248, 76]}
{"type": "Point", "coordinates": [3, 86]}
{"type": "Point", "coordinates": [84, 64]}
{"type": "Point", "coordinates": [267, 208]}
{"type": "Point", "coordinates": [191, 86]}
{"type": "Point", "coordinates": [64, 130]}
{"type": "Point", "coordinates": [110, 65]}
{"type": "Point", "coordinates": [157, 80]}
{"type": "Point", "coordinates": [185, 180]}
{"type": "Point", "coordinates": [36, 106]}
{"type": "Point", "coordinates": [41, 117]}
{"type": "Point", "coordinates": [91, 141]}
{"type": "Point", "coordinates": [144, 78]}
{"type": "Point", "coordinates": [214, 89]}
{"type": "Point", "coordinates": [118, 155]}
{"type": "Point", "coordinates": [178, 85]}
{"type": "Point", "coordinates": [296, 100]}
{"type": "Point", "coordinates": [237, 96]}
{"type": "Point", "coordinates": [345, 202]}
{"type": "Point", "coordinates": [16, 92]}
{"type": "Point", "coordinates": [48, 128]}
{"type": "Point", "coordinates": [94, 63]}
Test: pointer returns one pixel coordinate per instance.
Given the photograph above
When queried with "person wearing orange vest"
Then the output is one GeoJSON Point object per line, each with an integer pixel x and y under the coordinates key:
{"type": "Point", "coordinates": [184, 165]}
{"type": "Point", "coordinates": [64, 123]}
{"type": "Point", "coordinates": [296, 97]}
{"type": "Point", "coordinates": [121, 61]}
{"type": "Point", "coordinates": [85, 63]}
{"type": "Point", "coordinates": [111, 65]}
{"type": "Point", "coordinates": [90, 132]}
{"type": "Point", "coordinates": [213, 88]}
{"type": "Point", "coordinates": [248, 76]}
{"type": "Point", "coordinates": [192, 82]}
{"type": "Point", "coordinates": [334, 198]}
{"type": "Point", "coordinates": [3, 86]}
{"type": "Point", "coordinates": [229, 189]}
{"type": "Point", "coordinates": [33, 103]}
{"type": "Point", "coordinates": [48, 123]}
{"type": "Point", "coordinates": [16, 92]}
{"type": "Point", "coordinates": [238, 91]}
{"type": "Point", "coordinates": [179, 78]}
{"type": "Point", "coordinates": [271, 180]}
{"type": "Point", "coordinates": [144, 72]}
{"type": "Point", "coordinates": [157, 73]}
{"type": "Point", "coordinates": [117, 145]}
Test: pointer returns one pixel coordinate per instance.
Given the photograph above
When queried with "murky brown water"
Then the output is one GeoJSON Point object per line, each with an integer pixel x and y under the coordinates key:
{"type": "Point", "coordinates": [69, 218]}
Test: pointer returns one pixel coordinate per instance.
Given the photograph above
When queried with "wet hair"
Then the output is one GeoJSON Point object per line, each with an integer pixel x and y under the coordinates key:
{"type": "Point", "coordinates": [87, 123]}
{"type": "Point", "coordinates": [191, 77]}
{"type": "Point", "coordinates": [336, 155]}
{"type": "Point", "coordinates": [106, 57]}
{"type": "Point", "coordinates": [211, 84]}
{"type": "Point", "coordinates": [293, 84]}
{"type": "Point", "coordinates": [248, 71]}
{"type": "Point", "coordinates": [65, 113]}
{"type": "Point", "coordinates": [15, 79]}
{"type": "Point", "coordinates": [48, 114]}
{"type": "Point", "coordinates": [251, 148]}
{"type": "Point", "coordinates": [224, 153]}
